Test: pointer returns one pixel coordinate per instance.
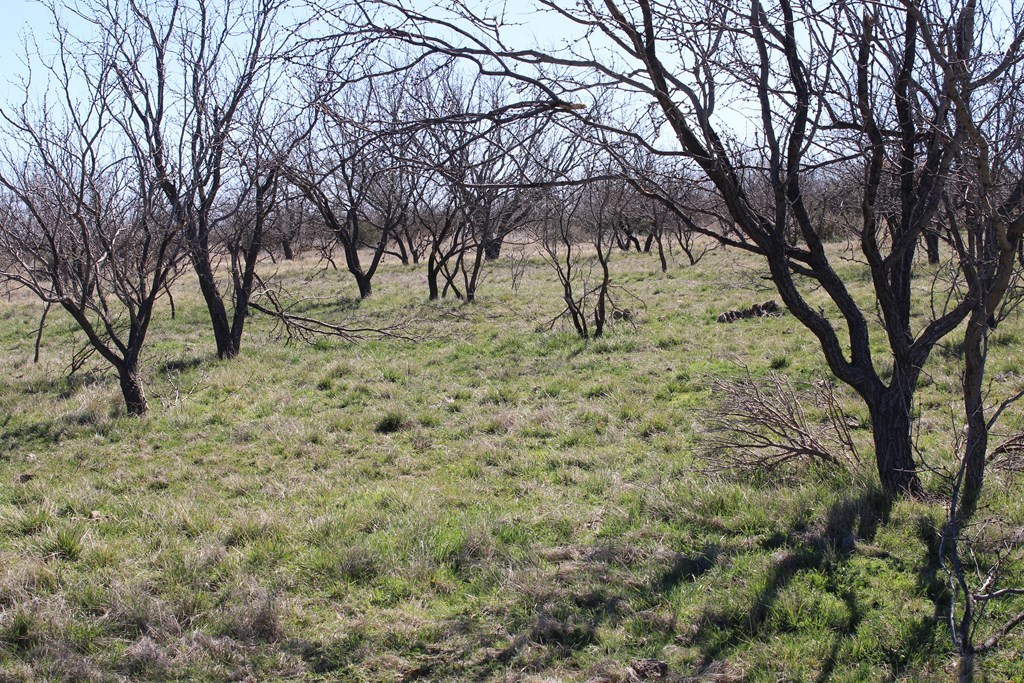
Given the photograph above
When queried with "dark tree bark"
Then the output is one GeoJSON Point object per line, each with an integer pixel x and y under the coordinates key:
{"type": "Point", "coordinates": [83, 225]}
{"type": "Point", "coordinates": [185, 82]}
{"type": "Point", "coordinates": [131, 389]}
{"type": "Point", "coordinates": [891, 431]}
{"type": "Point", "coordinates": [492, 248]}
{"type": "Point", "coordinates": [931, 242]}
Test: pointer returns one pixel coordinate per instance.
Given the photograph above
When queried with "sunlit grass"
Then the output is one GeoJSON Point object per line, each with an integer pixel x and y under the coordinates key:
{"type": "Point", "coordinates": [482, 500]}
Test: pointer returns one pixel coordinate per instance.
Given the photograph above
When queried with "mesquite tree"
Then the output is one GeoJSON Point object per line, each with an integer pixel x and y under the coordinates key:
{"type": "Point", "coordinates": [347, 171]}
{"type": "Point", "coordinates": [478, 155]}
{"type": "Point", "coordinates": [83, 225]}
{"type": "Point", "coordinates": [983, 206]}
{"type": "Point", "coordinates": [576, 228]}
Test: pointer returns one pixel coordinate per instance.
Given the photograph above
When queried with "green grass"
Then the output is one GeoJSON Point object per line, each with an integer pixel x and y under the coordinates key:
{"type": "Point", "coordinates": [485, 500]}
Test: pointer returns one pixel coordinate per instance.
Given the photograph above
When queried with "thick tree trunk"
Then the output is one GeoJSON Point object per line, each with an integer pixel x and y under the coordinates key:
{"type": "Point", "coordinates": [286, 245]}
{"type": "Point", "coordinates": [214, 304]}
{"type": "Point", "coordinates": [433, 290]}
{"type": "Point", "coordinates": [492, 248]}
{"type": "Point", "coordinates": [356, 269]}
{"type": "Point", "coordinates": [965, 667]}
{"type": "Point", "coordinates": [131, 389]}
{"type": "Point", "coordinates": [894, 456]}
{"type": "Point", "coordinates": [365, 286]}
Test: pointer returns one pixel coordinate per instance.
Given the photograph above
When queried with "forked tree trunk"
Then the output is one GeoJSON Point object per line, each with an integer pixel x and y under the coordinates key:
{"type": "Point", "coordinates": [364, 284]}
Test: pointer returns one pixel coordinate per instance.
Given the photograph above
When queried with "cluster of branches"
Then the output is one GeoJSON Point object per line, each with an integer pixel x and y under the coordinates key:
{"type": "Point", "coordinates": [762, 425]}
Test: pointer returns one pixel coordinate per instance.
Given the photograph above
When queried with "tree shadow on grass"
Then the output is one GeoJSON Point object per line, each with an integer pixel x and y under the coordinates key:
{"type": "Point", "coordinates": [178, 366]}
{"type": "Point", "coordinates": [849, 521]}
{"type": "Point", "coordinates": [564, 603]}
{"type": "Point", "coordinates": [27, 433]}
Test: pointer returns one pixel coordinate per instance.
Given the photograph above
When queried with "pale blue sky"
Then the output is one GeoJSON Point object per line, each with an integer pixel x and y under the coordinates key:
{"type": "Point", "coordinates": [16, 18]}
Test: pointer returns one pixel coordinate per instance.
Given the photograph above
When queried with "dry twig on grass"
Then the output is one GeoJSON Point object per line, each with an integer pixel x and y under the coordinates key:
{"type": "Point", "coordinates": [1009, 455]}
{"type": "Point", "coordinates": [306, 328]}
{"type": "Point", "coordinates": [761, 425]}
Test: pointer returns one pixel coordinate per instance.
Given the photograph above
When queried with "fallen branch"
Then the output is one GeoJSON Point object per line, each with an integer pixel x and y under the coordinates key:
{"type": "Point", "coordinates": [307, 329]}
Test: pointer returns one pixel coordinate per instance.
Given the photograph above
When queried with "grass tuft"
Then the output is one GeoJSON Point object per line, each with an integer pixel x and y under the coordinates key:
{"type": "Point", "coordinates": [65, 542]}
{"type": "Point", "coordinates": [393, 421]}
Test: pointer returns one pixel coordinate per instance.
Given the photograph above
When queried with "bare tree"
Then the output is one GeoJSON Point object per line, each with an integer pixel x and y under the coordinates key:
{"type": "Point", "coordinates": [291, 226]}
{"type": "Point", "coordinates": [242, 229]}
{"type": "Point", "coordinates": [983, 209]}
{"type": "Point", "coordinates": [185, 72]}
{"type": "Point", "coordinates": [576, 229]}
{"type": "Point", "coordinates": [480, 156]}
{"type": "Point", "coordinates": [83, 225]}
{"type": "Point", "coordinates": [346, 171]}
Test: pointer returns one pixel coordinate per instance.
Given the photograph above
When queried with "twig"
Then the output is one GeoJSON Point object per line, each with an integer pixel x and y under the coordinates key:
{"type": "Point", "coordinates": [39, 334]}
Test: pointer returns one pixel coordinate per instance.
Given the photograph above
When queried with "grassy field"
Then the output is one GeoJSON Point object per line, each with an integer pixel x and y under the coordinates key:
{"type": "Point", "coordinates": [489, 500]}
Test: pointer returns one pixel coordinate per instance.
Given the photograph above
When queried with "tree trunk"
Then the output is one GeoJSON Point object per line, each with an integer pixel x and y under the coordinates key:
{"type": "Point", "coordinates": [238, 323]}
{"type": "Point", "coordinates": [214, 304]}
{"type": "Point", "coordinates": [356, 269]}
{"type": "Point", "coordinates": [492, 248]}
{"type": "Point", "coordinates": [661, 254]}
{"type": "Point", "coordinates": [410, 246]}
{"type": "Point", "coordinates": [974, 408]}
{"type": "Point", "coordinates": [286, 245]}
{"type": "Point", "coordinates": [965, 667]}
{"type": "Point", "coordinates": [601, 310]}
{"type": "Point", "coordinates": [931, 245]}
{"type": "Point", "coordinates": [894, 456]}
{"type": "Point", "coordinates": [403, 255]}
{"type": "Point", "coordinates": [131, 389]}
{"type": "Point", "coordinates": [432, 287]}
{"type": "Point", "coordinates": [365, 286]}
